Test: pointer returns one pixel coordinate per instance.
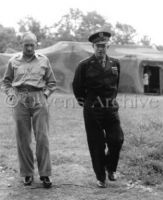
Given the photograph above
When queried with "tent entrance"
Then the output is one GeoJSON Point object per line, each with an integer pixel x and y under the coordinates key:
{"type": "Point", "coordinates": [151, 76]}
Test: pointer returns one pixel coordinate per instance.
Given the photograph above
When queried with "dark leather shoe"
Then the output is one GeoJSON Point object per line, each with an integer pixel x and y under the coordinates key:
{"type": "Point", "coordinates": [101, 184]}
{"type": "Point", "coordinates": [112, 176]}
{"type": "Point", "coordinates": [46, 181]}
{"type": "Point", "coordinates": [28, 180]}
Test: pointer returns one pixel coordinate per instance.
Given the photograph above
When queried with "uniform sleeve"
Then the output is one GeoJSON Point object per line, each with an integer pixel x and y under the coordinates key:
{"type": "Point", "coordinates": [118, 66]}
{"type": "Point", "coordinates": [78, 85]}
{"type": "Point", "coordinates": [7, 79]}
{"type": "Point", "coordinates": [50, 80]}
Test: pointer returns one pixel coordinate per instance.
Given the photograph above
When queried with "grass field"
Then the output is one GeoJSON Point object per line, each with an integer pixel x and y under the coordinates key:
{"type": "Point", "coordinates": [140, 168]}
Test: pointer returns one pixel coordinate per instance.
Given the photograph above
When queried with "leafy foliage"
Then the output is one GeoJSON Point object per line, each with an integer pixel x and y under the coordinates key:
{"type": "Point", "coordinates": [30, 24]}
{"type": "Point", "coordinates": [8, 38]}
{"type": "Point", "coordinates": [145, 40]}
{"type": "Point", "coordinates": [73, 26]}
{"type": "Point", "coordinates": [124, 34]}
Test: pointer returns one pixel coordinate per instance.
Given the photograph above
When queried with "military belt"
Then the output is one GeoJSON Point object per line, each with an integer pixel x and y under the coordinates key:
{"type": "Point", "coordinates": [28, 88]}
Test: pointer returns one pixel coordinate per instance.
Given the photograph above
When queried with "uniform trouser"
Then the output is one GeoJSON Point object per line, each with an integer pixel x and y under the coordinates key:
{"type": "Point", "coordinates": [105, 138]}
{"type": "Point", "coordinates": [32, 113]}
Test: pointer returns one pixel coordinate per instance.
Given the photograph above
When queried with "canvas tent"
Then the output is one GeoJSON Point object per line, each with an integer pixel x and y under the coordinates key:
{"type": "Point", "coordinates": [134, 60]}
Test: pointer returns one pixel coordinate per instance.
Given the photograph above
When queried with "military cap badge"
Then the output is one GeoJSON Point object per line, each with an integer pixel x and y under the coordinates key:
{"type": "Point", "coordinates": [99, 37]}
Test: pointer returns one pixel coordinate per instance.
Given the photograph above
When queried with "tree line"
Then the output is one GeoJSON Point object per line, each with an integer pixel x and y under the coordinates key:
{"type": "Point", "coordinates": [73, 26]}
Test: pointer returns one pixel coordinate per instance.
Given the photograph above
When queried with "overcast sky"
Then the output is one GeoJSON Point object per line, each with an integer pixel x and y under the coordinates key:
{"type": "Point", "coordinates": [146, 16]}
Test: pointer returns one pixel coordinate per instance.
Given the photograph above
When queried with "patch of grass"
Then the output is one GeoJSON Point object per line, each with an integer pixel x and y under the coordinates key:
{"type": "Point", "coordinates": [61, 159]}
{"type": "Point", "coordinates": [142, 153]}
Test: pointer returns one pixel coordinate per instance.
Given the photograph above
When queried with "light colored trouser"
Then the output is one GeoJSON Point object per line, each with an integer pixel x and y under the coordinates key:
{"type": "Point", "coordinates": [27, 117]}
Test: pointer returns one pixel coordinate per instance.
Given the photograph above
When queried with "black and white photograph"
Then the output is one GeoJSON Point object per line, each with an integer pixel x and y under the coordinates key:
{"type": "Point", "coordinates": [81, 100]}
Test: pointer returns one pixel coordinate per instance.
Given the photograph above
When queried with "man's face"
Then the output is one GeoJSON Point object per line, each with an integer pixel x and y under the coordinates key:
{"type": "Point", "coordinates": [29, 48]}
{"type": "Point", "coordinates": [100, 49]}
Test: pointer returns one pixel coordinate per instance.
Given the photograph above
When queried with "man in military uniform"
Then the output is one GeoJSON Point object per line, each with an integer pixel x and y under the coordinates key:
{"type": "Point", "coordinates": [29, 78]}
{"type": "Point", "coordinates": [95, 87]}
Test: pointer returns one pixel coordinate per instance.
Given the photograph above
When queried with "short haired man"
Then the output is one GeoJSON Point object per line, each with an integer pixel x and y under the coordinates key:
{"type": "Point", "coordinates": [95, 87]}
{"type": "Point", "coordinates": [30, 78]}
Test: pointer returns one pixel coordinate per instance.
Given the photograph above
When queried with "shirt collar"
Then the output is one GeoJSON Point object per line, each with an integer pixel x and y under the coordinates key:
{"type": "Point", "coordinates": [105, 58]}
{"type": "Point", "coordinates": [19, 57]}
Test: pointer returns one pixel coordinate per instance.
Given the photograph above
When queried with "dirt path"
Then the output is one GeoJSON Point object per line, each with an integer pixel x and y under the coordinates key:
{"type": "Point", "coordinates": [77, 185]}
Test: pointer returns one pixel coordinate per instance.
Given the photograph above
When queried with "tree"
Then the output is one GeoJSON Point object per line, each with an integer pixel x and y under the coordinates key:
{"type": "Point", "coordinates": [92, 22]}
{"type": "Point", "coordinates": [30, 24]}
{"type": "Point", "coordinates": [145, 40]}
{"type": "Point", "coordinates": [73, 26]}
{"type": "Point", "coordinates": [77, 26]}
{"type": "Point", "coordinates": [124, 34]}
{"type": "Point", "coordinates": [66, 28]}
{"type": "Point", "coordinates": [160, 47]}
{"type": "Point", "coordinates": [8, 38]}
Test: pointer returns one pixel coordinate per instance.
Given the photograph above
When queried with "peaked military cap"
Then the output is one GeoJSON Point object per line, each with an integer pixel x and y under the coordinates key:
{"type": "Point", "coordinates": [100, 37]}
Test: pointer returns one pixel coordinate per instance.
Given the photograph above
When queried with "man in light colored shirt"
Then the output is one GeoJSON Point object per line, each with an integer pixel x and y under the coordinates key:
{"type": "Point", "coordinates": [30, 79]}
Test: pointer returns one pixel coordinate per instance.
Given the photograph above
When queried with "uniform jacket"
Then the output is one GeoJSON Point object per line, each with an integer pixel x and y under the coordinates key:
{"type": "Point", "coordinates": [92, 80]}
